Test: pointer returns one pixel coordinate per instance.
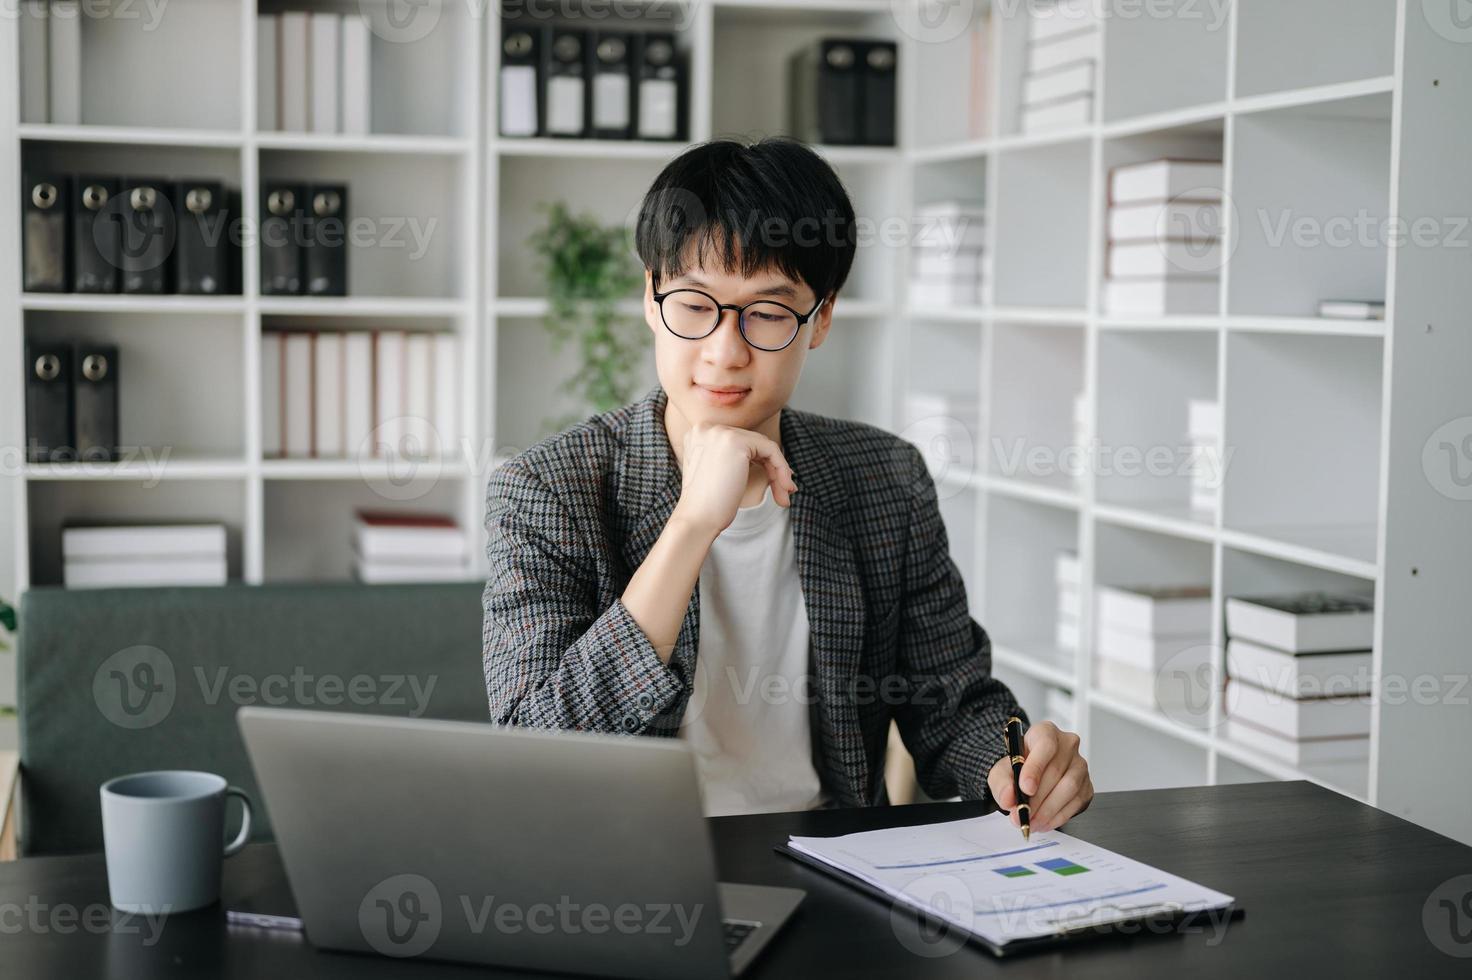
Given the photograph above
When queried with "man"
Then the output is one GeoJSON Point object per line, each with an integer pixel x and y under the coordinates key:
{"type": "Point", "coordinates": [772, 585]}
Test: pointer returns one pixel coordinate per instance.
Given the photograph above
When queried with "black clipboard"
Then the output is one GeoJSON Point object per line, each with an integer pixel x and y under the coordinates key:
{"type": "Point", "coordinates": [1117, 929]}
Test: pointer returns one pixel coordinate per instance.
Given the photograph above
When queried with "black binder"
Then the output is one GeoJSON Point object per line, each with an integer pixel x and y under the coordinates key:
{"type": "Point", "coordinates": [566, 83]}
{"type": "Point", "coordinates": [611, 85]}
{"type": "Point", "coordinates": [661, 88]}
{"type": "Point", "coordinates": [97, 235]}
{"type": "Point", "coordinates": [282, 208]}
{"type": "Point", "coordinates": [43, 233]}
{"type": "Point", "coordinates": [1157, 921]}
{"type": "Point", "coordinates": [202, 256]}
{"type": "Point", "coordinates": [95, 393]}
{"type": "Point", "coordinates": [877, 93]}
{"type": "Point", "coordinates": [149, 231]}
{"type": "Point", "coordinates": [523, 86]}
{"type": "Point", "coordinates": [48, 370]}
{"type": "Point", "coordinates": [325, 240]}
{"type": "Point", "coordinates": [823, 79]}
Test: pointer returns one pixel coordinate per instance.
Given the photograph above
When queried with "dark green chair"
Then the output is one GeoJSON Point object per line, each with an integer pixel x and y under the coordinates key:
{"type": "Point", "coordinates": [114, 681]}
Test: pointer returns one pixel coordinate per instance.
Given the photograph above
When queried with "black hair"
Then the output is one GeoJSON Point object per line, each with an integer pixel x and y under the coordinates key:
{"type": "Point", "coordinates": [749, 207]}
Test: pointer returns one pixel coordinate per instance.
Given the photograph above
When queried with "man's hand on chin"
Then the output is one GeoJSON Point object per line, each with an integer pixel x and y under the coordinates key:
{"type": "Point", "coordinates": [1055, 778]}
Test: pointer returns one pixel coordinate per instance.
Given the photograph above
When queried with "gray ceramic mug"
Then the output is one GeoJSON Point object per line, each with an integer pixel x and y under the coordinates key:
{"type": "Point", "coordinates": [165, 838]}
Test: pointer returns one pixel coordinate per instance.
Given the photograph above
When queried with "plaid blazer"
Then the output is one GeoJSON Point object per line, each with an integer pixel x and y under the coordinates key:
{"type": "Point", "coordinates": [571, 518]}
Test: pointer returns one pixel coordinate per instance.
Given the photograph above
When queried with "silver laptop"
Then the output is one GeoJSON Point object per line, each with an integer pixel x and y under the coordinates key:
{"type": "Point", "coordinates": [508, 847]}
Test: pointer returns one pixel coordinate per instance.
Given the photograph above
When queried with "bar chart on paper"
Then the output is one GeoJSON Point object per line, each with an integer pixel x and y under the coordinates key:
{"type": "Point", "coordinates": [977, 874]}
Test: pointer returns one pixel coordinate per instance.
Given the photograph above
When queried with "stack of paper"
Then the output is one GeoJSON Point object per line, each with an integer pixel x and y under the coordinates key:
{"type": "Point", "coordinates": [1164, 252]}
{"type": "Point", "coordinates": [1300, 676]}
{"type": "Point", "coordinates": [1062, 58]}
{"type": "Point", "coordinates": [1081, 438]}
{"type": "Point", "coordinates": [1153, 647]}
{"type": "Point", "coordinates": [1058, 707]}
{"type": "Point", "coordinates": [390, 546]}
{"type": "Point", "coordinates": [1067, 576]}
{"type": "Point", "coordinates": [1204, 426]}
{"type": "Point", "coordinates": [949, 259]}
{"type": "Point", "coordinates": [138, 555]}
{"type": "Point", "coordinates": [943, 426]}
{"type": "Point", "coordinates": [981, 877]}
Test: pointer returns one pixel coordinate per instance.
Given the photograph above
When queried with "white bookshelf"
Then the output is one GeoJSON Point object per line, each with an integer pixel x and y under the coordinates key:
{"type": "Point", "coordinates": [1316, 107]}
{"type": "Point", "coordinates": [1325, 485]}
{"type": "Point", "coordinates": [191, 363]}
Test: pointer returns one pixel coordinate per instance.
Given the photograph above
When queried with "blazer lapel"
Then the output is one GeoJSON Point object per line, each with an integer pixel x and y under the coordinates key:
{"type": "Point", "coordinates": [834, 596]}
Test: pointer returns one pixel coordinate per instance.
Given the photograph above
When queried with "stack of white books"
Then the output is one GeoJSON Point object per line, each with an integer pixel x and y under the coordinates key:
{"type": "Point", "coordinates": [1062, 58]}
{"type": "Point", "coordinates": [1204, 426]}
{"type": "Point", "coordinates": [949, 264]}
{"type": "Point", "coordinates": [1153, 647]}
{"type": "Point", "coordinates": [1300, 678]}
{"type": "Point", "coordinates": [313, 72]}
{"type": "Point", "coordinates": [1067, 576]}
{"type": "Point", "coordinates": [1164, 253]}
{"type": "Point", "coordinates": [1081, 437]}
{"type": "Point", "coordinates": [350, 394]}
{"type": "Point", "coordinates": [390, 546]}
{"type": "Point", "coordinates": [943, 426]}
{"type": "Point", "coordinates": [1352, 309]}
{"type": "Point", "coordinates": [144, 554]}
{"type": "Point", "coordinates": [1058, 708]}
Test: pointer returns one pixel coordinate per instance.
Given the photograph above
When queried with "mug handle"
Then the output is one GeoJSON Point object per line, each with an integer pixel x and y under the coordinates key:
{"type": "Point", "coordinates": [234, 846]}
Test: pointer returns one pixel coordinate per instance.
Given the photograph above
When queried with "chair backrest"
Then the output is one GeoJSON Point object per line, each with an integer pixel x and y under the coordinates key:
{"type": "Point", "coordinates": [114, 681]}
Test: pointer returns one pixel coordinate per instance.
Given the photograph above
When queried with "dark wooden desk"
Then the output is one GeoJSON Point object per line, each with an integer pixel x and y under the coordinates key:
{"type": "Point", "coordinates": [1332, 889]}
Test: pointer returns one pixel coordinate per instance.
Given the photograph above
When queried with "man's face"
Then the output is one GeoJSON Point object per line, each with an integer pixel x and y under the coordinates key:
{"type": "Point", "coordinates": [762, 380]}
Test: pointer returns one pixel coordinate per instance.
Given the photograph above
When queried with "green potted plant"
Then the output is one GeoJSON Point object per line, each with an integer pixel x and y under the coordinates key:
{"type": "Point", "coordinates": [589, 270]}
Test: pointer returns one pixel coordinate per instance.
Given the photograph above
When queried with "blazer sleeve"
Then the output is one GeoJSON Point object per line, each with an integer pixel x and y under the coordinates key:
{"type": "Point", "coordinates": [552, 658]}
{"type": "Point", "coordinates": [952, 720]}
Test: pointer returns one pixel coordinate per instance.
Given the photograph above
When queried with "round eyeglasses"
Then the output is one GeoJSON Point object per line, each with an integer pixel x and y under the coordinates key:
{"type": "Point", "coordinates": [766, 324]}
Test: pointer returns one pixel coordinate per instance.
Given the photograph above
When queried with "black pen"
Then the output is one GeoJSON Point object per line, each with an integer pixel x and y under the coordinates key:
{"type": "Point", "coordinates": [1012, 733]}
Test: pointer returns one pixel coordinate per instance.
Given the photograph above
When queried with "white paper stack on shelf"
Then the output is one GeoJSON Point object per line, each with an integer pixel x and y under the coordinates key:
{"type": "Point", "coordinates": [1062, 58]}
{"type": "Point", "coordinates": [1164, 253]}
{"type": "Point", "coordinates": [1352, 309]}
{"type": "Point", "coordinates": [1081, 437]}
{"type": "Point", "coordinates": [1203, 425]}
{"type": "Point", "coordinates": [390, 546]}
{"type": "Point", "coordinates": [1153, 646]}
{"type": "Point", "coordinates": [1067, 576]}
{"type": "Point", "coordinates": [138, 555]}
{"type": "Point", "coordinates": [949, 261]}
{"type": "Point", "coordinates": [1058, 708]}
{"type": "Point", "coordinates": [1300, 677]}
{"type": "Point", "coordinates": [944, 427]}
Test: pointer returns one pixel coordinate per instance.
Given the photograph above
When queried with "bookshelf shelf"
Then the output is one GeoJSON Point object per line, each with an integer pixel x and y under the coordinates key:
{"type": "Point", "coordinates": [445, 146]}
{"type": "Point", "coordinates": [1177, 521]}
{"type": "Point", "coordinates": [427, 307]}
{"type": "Point", "coordinates": [1062, 316]}
{"type": "Point", "coordinates": [1038, 658]}
{"type": "Point", "coordinates": [120, 303]}
{"type": "Point", "coordinates": [581, 149]}
{"type": "Point", "coordinates": [173, 466]}
{"type": "Point", "coordinates": [1308, 104]}
{"type": "Point", "coordinates": [1148, 718]}
{"type": "Point", "coordinates": [132, 135]}
{"type": "Point", "coordinates": [363, 469]}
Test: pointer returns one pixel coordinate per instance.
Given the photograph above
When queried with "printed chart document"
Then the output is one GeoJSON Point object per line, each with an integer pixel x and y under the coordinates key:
{"type": "Point", "coordinates": [982, 877]}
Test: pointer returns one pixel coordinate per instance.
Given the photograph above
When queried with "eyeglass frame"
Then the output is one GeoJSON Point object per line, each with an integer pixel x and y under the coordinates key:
{"type": "Point", "coordinates": [740, 316]}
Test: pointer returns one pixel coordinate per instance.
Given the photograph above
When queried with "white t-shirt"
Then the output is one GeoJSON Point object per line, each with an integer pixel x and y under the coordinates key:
{"type": "Point", "coordinates": [747, 719]}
